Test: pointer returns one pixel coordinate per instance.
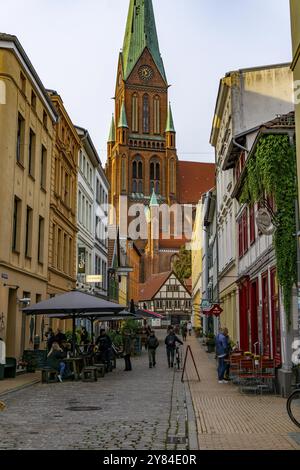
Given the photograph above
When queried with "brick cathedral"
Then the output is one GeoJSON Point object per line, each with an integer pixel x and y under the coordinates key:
{"type": "Point", "coordinates": [142, 162]}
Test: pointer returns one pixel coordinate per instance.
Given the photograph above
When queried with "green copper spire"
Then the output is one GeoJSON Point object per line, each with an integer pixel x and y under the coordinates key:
{"type": "Point", "coordinates": [170, 123]}
{"type": "Point", "coordinates": [141, 33]}
{"type": "Point", "coordinates": [154, 201]}
{"type": "Point", "coordinates": [112, 133]}
{"type": "Point", "coordinates": [123, 118]}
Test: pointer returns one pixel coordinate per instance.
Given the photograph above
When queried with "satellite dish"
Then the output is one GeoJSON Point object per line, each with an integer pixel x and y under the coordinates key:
{"type": "Point", "coordinates": [264, 222]}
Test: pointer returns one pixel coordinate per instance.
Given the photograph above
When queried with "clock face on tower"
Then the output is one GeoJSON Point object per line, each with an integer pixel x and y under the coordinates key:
{"type": "Point", "coordinates": [146, 72]}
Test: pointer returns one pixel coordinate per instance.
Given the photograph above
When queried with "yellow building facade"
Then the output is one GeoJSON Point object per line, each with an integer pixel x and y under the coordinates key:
{"type": "Point", "coordinates": [27, 126]}
{"type": "Point", "coordinates": [62, 271]}
{"type": "Point", "coordinates": [295, 23]}
{"type": "Point", "coordinates": [197, 252]}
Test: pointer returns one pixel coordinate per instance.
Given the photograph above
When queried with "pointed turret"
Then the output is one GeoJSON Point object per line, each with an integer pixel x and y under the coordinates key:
{"type": "Point", "coordinates": [141, 33]}
{"type": "Point", "coordinates": [170, 122]}
{"type": "Point", "coordinates": [154, 201]}
{"type": "Point", "coordinates": [112, 132]}
{"type": "Point", "coordinates": [112, 138]}
{"type": "Point", "coordinates": [123, 119]}
{"type": "Point", "coordinates": [123, 126]}
{"type": "Point", "coordinates": [170, 130]}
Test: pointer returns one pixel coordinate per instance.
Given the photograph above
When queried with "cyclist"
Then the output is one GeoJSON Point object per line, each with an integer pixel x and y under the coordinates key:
{"type": "Point", "coordinates": [170, 343]}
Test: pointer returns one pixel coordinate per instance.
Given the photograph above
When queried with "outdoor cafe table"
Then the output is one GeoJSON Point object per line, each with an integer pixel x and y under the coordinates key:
{"type": "Point", "coordinates": [77, 364]}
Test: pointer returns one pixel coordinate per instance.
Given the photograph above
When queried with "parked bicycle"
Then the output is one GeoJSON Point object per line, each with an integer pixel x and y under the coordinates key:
{"type": "Point", "coordinates": [293, 406]}
{"type": "Point", "coordinates": [178, 357]}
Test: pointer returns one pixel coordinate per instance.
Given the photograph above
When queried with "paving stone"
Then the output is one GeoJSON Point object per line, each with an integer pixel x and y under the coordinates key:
{"type": "Point", "coordinates": [138, 411]}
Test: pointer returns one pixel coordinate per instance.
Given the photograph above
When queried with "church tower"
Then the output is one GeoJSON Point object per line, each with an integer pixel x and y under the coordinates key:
{"type": "Point", "coordinates": [142, 153]}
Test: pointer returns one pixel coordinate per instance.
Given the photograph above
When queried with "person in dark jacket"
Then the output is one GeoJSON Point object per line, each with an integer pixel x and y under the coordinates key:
{"type": "Point", "coordinates": [170, 343]}
{"type": "Point", "coordinates": [55, 360]}
{"type": "Point", "coordinates": [127, 349]}
{"type": "Point", "coordinates": [152, 345]}
{"type": "Point", "coordinates": [84, 338]}
{"type": "Point", "coordinates": [50, 338]}
{"type": "Point", "coordinates": [184, 331]}
{"type": "Point", "coordinates": [104, 345]}
{"type": "Point", "coordinates": [59, 337]}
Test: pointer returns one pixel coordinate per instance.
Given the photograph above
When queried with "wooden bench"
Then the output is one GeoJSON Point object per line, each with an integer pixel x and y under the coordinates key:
{"type": "Point", "coordinates": [89, 374]}
{"type": "Point", "coordinates": [8, 370]}
{"type": "Point", "coordinates": [100, 370]}
{"type": "Point", "coordinates": [49, 376]}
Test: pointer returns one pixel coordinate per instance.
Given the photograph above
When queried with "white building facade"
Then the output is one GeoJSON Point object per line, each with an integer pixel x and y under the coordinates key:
{"type": "Point", "coordinates": [246, 99]}
{"type": "Point", "coordinates": [92, 218]}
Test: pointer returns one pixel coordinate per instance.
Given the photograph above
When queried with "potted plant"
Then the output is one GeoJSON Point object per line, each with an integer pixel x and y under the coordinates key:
{"type": "Point", "coordinates": [210, 343]}
{"type": "Point", "coordinates": [31, 363]}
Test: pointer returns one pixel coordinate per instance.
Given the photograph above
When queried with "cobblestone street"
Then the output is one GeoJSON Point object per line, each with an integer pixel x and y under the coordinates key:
{"type": "Point", "coordinates": [145, 409]}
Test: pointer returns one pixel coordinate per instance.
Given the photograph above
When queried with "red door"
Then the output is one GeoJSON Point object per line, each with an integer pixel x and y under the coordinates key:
{"type": "Point", "coordinates": [275, 313]}
{"type": "Point", "coordinates": [244, 316]}
{"type": "Point", "coordinates": [266, 316]}
{"type": "Point", "coordinates": [254, 316]}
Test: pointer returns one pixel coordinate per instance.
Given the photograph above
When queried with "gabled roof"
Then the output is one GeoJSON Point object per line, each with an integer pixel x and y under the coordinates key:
{"type": "Point", "coordinates": [153, 285]}
{"type": "Point", "coordinates": [140, 34]}
{"type": "Point", "coordinates": [194, 179]}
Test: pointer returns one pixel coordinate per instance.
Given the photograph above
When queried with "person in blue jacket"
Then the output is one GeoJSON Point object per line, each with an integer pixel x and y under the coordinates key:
{"type": "Point", "coordinates": [222, 350]}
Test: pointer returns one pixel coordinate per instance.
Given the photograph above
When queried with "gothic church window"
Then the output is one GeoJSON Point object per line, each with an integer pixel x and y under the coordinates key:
{"type": "Point", "coordinates": [124, 174]}
{"type": "Point", "coordinates": [146, 115]}
{"type": "Point", "coordinates": [155, 175]}
{"type": "Point", "coordinates": [137, 175]}
{"type": "Point", "coordinates": [135, 118]}
{"type": "Point", "coordinates": [172, 176]}
{"type": "Point", "coordinates": [156, 115]}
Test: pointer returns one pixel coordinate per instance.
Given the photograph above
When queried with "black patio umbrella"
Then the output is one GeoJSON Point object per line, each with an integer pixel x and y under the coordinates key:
{"type": "Point", "coordinates": [92, 317]}
{"type": "Point", "coordinates": [73, 304]}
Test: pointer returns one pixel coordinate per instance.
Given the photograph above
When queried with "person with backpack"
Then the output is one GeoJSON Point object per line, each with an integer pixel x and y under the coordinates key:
{"type": "Point", "coordinates": [152, 345]}
{"type": "Point", "coordinates": [170, 343]}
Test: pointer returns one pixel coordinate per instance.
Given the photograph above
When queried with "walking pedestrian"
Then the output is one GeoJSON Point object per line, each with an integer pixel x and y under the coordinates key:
{"type": "Point", "coordinates": [152, 344]}
{"type": "Point", "coordinates": [127, 349]}
{"type": "Point", "coordinates": [184, 331]}
{"type": "Point", "coordinates": [170, 343]}
{"type": "Point", "coordinates": [189, 328]}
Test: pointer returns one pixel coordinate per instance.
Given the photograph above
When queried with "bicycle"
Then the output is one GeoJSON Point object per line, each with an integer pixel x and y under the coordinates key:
{"type": "Point", "coordinates": [178, 357]}
{"type": "Point", "coordinates": [293, 406]}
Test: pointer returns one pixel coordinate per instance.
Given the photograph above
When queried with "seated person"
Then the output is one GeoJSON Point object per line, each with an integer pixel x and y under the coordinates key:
{"type": "Point", "coordinates": [59, 337]}
{"type": "Point", "coordinates": [104, 345]}
{"type": "Point", "coordinates": [55, 360]}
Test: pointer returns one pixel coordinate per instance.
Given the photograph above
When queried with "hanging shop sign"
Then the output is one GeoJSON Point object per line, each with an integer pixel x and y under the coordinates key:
{"type": "Point", "coordinates": [81, 260]}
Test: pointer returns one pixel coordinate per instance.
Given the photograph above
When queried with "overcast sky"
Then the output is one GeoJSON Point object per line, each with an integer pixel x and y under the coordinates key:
{"type": "Point", "coordinates": [74, 46]}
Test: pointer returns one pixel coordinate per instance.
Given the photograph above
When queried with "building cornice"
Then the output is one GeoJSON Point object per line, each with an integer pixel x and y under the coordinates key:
{"type": "Point", "coordinates": [23, 271]}
{"type": "Point", "coordinates": [12, 43]}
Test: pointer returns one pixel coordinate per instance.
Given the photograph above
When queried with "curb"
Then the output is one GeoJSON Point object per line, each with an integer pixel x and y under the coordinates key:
{"type": "Point", "coordinates": [191, 420]}
{"type": "Point", "coordinates": [20, 387]}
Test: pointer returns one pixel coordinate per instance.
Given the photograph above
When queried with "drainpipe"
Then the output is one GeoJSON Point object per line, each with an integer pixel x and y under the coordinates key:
{"type": "Point", "coordinates": [240, 146]}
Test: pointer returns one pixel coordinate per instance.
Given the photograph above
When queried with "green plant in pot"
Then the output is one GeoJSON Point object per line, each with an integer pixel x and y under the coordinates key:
{"type": "Point", "coordinates": [31, 363]}
{"type": "Point", "coordinates": [210, 342]}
